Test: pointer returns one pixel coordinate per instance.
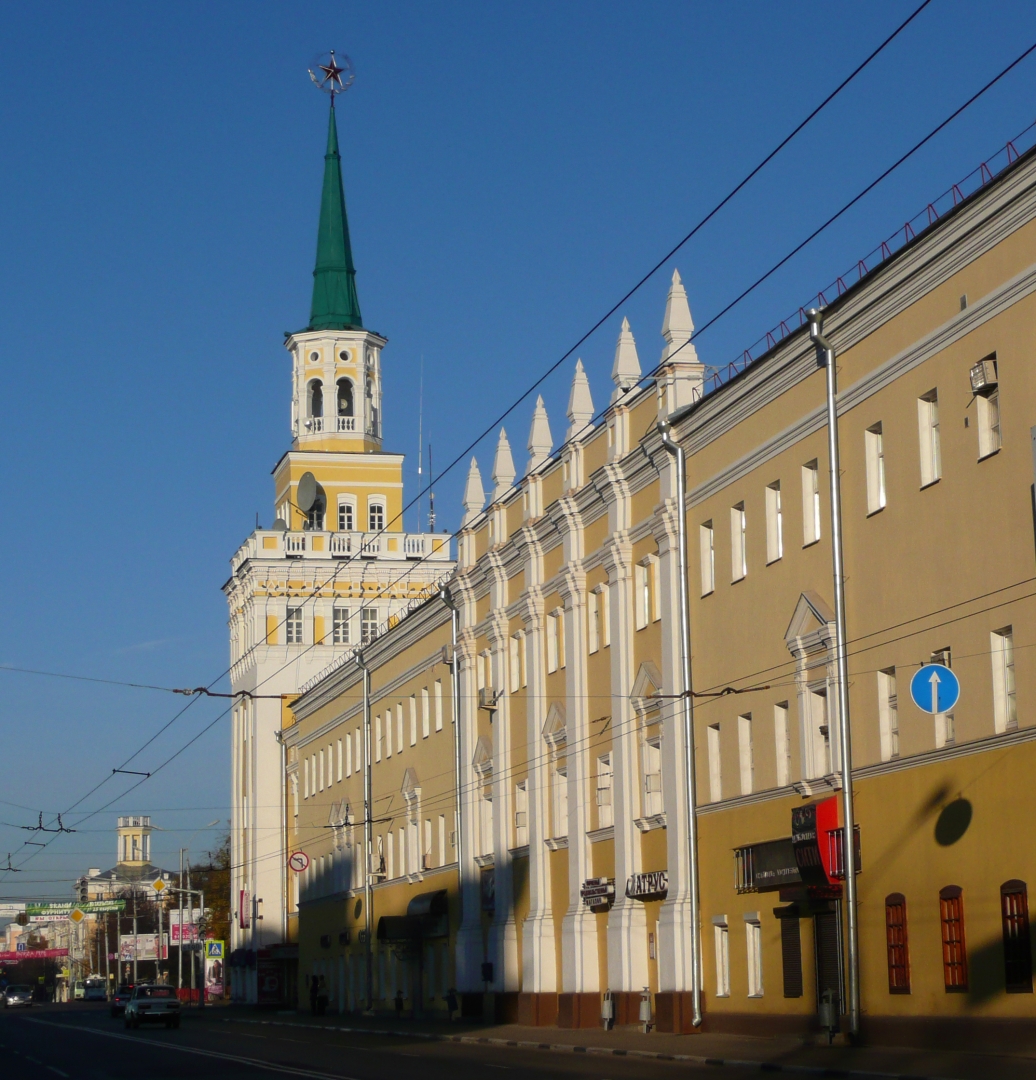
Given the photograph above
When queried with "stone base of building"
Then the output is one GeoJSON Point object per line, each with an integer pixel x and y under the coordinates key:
{"type": "Point", "coordinates": [674, 1010]}
{"type": "Point", "coordinates": [538, 1010]}
{"type": "Point", "coordinates": [978, 1034]}
{"type": "Point", "coordinates": [579, 1010]}
{"type": "Point", "coordinates": [735, 1023]}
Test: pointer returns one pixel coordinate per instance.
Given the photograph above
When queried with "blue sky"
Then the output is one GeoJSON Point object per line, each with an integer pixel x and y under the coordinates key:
{"type": "Point", "coordinates": [510, 171]}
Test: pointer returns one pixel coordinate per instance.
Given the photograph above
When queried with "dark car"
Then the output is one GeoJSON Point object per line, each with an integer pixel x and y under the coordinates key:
{"type": "Point", "coordinates": [121, 998]}
{"type": "Point", "coordinates": [18, 997]}
{"type": "Point", "coordinates": [153, 1003]}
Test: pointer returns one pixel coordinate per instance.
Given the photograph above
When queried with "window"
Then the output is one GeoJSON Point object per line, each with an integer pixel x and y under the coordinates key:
{"type": "Point", "coordinates": [340, 624]}
{"type": "Point", "coordinates": [708, 558]}
{"type": "Point", "coordinates": [746, 754]}
{"type": "Point", "coordinates": [315, 517]}
{"type": "Point", "coordinates": [486, 823]}
{"type": "Point", "coordinates": [1005, 704]}
{"type": "Point", "coordinates": [437, 702]}
{"type": "Point", "coordinates": [378, 738]}
{"type": "Point", "coordinates": [593, 621]}
{"type": "Point", "coordinates": [1014, 911]}
{"type": "Point", "coordinates": [928, 436]}
{"type": "Point", "coordinates": [738, 554]}
{"type": "Point", "coordinates": [782, 743]}
{"type": "Point", "coordinates": [305, 778]}
{"type": "Point", "coordinates": [349, 756]}
{"type": "Point", "coordinates": [954, 948]}
{"type": "Point", "coordinates": [399, 726]}
{"type": "Point", "coordinates": [521, 815]}
{"type": "Point", "coordinates": [390, 861]}
{"type": "Point", "coordinates": [604, 792]}
{"type": "Point", "coordinates": [888, 714]}
{"type": "Point", "coordinates": [641, 596]}
{"type": "Point", "coordinates": [561, 801]}
{"type": "Point", "coordinates": [368, 625]}
{"type": "Point", "coordinates": [388, 733]}
{"type": "Point", "coordinates": [874, 453]}
{"type": "Point", "coordinates": [774, 523]}
{"type": "Point", "coordinates": [652, 763]}
{"type": "Point", "coordinates": [514, 667]}
{"type": "Point", "coordinates": [654, 574]}
{"type": "Point", "coordinates": [442, 839]}
{"type": "Point", "coordinates": [754, 943]}
{"type": "Point", "coordinates": [896, 942]}
{"type": "Point", "coordinates": [606, 628]}
{"type": "Point", "coordinates": [345, 397]}
{"type": "Point", "coordinates": [341, 763]}
{"type": "Point", "coordinates": [316, 400]}
{"type": "Point", "coordinates": [987, 404]}
{"type": "Point", "coordinates": [346, 517]}
{"type": "Point", "coordinates": [810, 503]}
{"type": "Point", "coordinates": [375, 517]}
{"type": "Point", "coordinates": [320, 759]}
{"type": "Point", "coordinates": [821, 763]}
{"type": "Point", "coordinates": [425, 714]}
{"type": "Point", "coordinates": [293, 626]}
{"type": "Point", "coordinates": [721, 939]}
{"type": "Point", "coordinates": [555, 640]}
{"type": "Point", "coordinates": [413, 720]}
{"type": "Point", "coordinates": [715, 772]}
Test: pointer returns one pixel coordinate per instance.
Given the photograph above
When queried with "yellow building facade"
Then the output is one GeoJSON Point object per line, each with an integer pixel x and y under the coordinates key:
{"type": "Point", "coordinates": [561, 788]}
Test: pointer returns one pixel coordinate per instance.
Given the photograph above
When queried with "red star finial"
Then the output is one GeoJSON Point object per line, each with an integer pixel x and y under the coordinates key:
{"type": "Point", "coordinates": [335, 77]}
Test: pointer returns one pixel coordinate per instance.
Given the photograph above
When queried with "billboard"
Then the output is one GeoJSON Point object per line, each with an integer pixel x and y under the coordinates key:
{"type": "Point", "coordinates": [142, 947]}
{"type": "Point", "coordinates": [213, 969]}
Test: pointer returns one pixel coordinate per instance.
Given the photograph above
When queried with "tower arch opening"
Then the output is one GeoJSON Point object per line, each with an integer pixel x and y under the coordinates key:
{"type": "Point", "coordinates": [345, 397]}
{"type": "Point", "coordinates": [316, 399]}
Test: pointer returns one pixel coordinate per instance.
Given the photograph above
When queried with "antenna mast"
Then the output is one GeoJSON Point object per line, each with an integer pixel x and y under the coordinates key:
{"type": "Point", "coordinates": [420, 439]}
{"type": "Point", "coordinates": [431, 494]}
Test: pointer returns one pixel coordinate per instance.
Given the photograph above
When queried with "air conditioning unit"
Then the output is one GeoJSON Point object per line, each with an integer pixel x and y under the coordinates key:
{"type": "Point", "coordinates": [487, 698]}
{"type": "Point", "coordinates": [426, 862]}
{"type": "Point", "coordinates": [983, 377]}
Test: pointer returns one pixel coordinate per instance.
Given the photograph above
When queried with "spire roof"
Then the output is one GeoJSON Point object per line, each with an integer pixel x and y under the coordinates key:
{"type": "Point", "coordinates": [580, 404]}
{"type": "Point", "coordinates": [626, 369]}
{"type": "Point", "coordinates": [335, 304]}
{"type": "Point", "coordinates": [503, 468]}
{"type": "Point", "coordinates": [540, 438]}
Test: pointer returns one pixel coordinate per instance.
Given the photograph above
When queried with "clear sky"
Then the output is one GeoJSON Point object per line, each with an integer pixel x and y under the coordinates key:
{"type": "Point", "coordinates": [510, 171]}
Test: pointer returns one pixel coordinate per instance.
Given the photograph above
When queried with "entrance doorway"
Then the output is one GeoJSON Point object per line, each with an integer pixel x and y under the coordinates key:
{"type": "Point", "coordinates": [827, 939]}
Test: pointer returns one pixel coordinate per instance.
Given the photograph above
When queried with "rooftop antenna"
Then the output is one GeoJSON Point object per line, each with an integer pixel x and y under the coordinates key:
{"type": "Point", "coordinates": [420, 439]}
{"type": "Point", "coordinates": [431, 494]}
{"type": "Point", "coordinates": [334, 75]}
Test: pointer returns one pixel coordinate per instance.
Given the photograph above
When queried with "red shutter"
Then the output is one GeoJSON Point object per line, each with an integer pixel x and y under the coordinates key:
{"type": "Point", "coordinates": [954, 949]}
{"type": "Point", "coordinates": [896, 939]}
{"type": "Point", "coordinates": [1014, 911]}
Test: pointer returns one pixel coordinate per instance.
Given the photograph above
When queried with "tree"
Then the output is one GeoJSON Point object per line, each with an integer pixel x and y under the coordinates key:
{"type": "Point", "coordinates": [214, 879]}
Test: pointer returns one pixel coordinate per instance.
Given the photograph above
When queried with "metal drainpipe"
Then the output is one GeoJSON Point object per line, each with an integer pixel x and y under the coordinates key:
{"type": "Point", "coordinates": [826, 359]}
{"type": "Point", "coordinates": [447, 598]}
{"type": "Point", "coordinates": [368, 838]}
{"type": "Point", "coordinates": [674, 448]}
{"type": "Point", "coordinates": [284, 838]}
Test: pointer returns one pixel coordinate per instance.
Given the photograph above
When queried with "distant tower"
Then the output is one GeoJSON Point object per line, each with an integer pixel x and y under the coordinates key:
{"type": "Point", "coordinates": [134, 841]}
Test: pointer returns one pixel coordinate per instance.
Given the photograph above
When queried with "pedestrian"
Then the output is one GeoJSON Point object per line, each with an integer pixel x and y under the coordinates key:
{"type": "Point", "coordinates": [451, 1002]}
{"type": "Point", "coordinates": [399, 1004]}
{"type": "Point", "coordinates": [313, 995]}
{"type": "Point", "coordinates": [321, 996]}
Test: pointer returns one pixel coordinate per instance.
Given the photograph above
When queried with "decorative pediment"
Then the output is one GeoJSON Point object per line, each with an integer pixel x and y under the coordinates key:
{"type": "Point", "coordinates": [410, 782]}
{"type": "Point", "coordinates": [554, 727]}
{"type": "Point", "coordinates": [646, 686]}
{"type": "Point", "coordinates": [812, 625]}
{"type": "Point", "coordinates": [482, 762]}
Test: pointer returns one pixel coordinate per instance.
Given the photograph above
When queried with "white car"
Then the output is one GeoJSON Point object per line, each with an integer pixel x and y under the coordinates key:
{"type": "Point", "coordinates": [18, 997]}
{"type": "Point", "coordinates": [153, 1004]}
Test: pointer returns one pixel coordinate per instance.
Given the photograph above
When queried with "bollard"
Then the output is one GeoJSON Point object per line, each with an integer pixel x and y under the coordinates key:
{"type": "Point", "coordinates": [829, 1014]}
{"type": "Point", "coordinates": [645, 1009]}
{"type": "Point", "coordinates": [608, 1010]}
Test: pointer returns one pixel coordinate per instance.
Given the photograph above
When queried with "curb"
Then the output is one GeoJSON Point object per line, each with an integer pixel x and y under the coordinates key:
{"type": "Point", "coordinates": [567, 1048]}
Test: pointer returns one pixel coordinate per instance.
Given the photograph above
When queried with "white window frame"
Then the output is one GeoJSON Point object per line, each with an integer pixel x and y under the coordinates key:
{"type": "Point", "coordinates": [1005, 702]}
{"type": "Point", "coordinates": [425, 713]}
{"type": "Point", "coordinates": [721, 941]}
{"type": "Point", "coordinates": [707, 552]}
{"type": "Point", "coordinates": [437, 702]}
{"type": "Point", "coordinates": [715, 764]}
{"type": "Point", "coordinates": [782, 743]}
{"type": "Point", "coordinates": [294, 622]}
{"type": "Point", "coordinates": [378, 738]}
{"type": "Point", "coordinates": [346, 510]}
{"type": "Point", "coordinates": [604, 606]}
{"type": "Point", "coordinates": [746, 753]}
{"type": "Point", "coordinates": [341, 618]}
{"type": "Point", "coordinates": [399, 726]}
{"type": "Point", "coordinates": [605, 792]}
{"type": "Point", "coordinates": [341, 762]}
{"type": "Point", "coordinates": [521, 814]}
{"type": "Point", "coordinates": [651, 784]}
{"type": "Point", "coordinates": [376, 507]}
{"type": "Point", "coordinates": [552, 644]}
{"type": "Point", "coordinates": [593, 622]}
{"type": "Point", "coordinates": [738, 543]}
{"type": "Point", "coordinates": [754, 949]}
{"type": "Point", "coordinates": [987, 408]}
{"type": "Point", "coordinates": [928, 438]}
{"type": "Point", "coordinates": [888, 713]}
{"type": "Point", "coordinates": [641, 596]}
{"type": "Point", "coordinates": [874, 455]}
{"type": "Point", "coordinates": [560, 808]}
{"type": "Point", "coordinates": [811, 523]}
{"type": "Point", "coordinates": [774, 523]}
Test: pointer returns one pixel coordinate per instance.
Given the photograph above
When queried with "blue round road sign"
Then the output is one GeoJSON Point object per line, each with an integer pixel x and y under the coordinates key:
{"type": "Point", "coordinates": [934, 688]}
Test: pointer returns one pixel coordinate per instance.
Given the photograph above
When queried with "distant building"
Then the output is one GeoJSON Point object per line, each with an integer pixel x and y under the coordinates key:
{"type": "Point", "coordinates": [133, 868]}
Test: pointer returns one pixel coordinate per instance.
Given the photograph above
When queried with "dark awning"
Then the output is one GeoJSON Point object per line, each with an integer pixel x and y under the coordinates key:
{"type": "Point", "coordinates": [429, 903]}
{"type": "Point", "coordinates": [427, 916]}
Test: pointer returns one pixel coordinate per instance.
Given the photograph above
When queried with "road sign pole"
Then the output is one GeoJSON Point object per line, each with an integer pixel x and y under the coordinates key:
{"type": "Point", "coordinates": [826, 359]}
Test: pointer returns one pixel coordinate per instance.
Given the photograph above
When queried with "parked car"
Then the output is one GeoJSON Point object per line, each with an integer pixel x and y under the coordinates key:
{"type": "Point", "coordinates": [123, 993]}
{"type": "Point", "coordinates": [153, 1004]}
{"type": "Point", "coordinates": [95, 989]}
{"type": "Point", "coordinates": [18, 997]}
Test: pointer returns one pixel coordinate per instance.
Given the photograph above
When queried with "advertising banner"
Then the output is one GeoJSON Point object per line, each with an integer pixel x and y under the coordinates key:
{"type": "Point", "coordinates": [188, 933]}
{"type": "Point", "coordinates": [88, 907]}
{"type": "Point", "coordinates": [213, 969]}
{"type": "Point", "coordinates": [142, 947]}
{"type": "Point", "coordinates": [31, 954]}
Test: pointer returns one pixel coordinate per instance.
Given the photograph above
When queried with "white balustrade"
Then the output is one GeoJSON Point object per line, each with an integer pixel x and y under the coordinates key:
{"type": "Point", "coordinates": [347, 423]}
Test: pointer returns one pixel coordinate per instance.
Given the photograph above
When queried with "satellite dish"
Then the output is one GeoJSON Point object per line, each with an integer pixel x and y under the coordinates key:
{"type": "Point", "coordinates": [306, 495]}
{"type": "Point", "coordinates": [279, 525]}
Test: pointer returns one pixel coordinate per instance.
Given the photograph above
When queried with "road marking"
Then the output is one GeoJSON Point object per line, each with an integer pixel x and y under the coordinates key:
{"type": "Point", "coordinates": [54, 1069]}
{"type": "Point", "coordinates": [254, 1062]}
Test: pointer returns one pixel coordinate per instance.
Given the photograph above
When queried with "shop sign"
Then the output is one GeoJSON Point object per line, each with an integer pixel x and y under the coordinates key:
{"type": "Point", "coordinates": [650, 886]}
{"type": "Point", "coordinates": [31, 954]}
{"type": "Point", "coordinates": [774, 865]}
{"type": "Point", "coordinates": [810, 826]}
{"type": "Point", "coordinates": [597, 892]}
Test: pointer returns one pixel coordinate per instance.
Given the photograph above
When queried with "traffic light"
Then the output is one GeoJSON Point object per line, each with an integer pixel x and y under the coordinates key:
{"type": "Point", "coordinates": [82, 892]}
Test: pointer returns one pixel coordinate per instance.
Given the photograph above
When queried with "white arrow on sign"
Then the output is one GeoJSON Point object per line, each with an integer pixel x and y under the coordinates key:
{"type": "Point", "coordinates": [935, 680]}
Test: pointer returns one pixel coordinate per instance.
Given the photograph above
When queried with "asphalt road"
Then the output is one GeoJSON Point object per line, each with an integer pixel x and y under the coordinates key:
{"type": "Point", "coordinates": [82, 1042]}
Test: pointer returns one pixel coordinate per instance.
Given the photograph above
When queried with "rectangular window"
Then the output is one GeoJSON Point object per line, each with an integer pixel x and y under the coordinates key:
{"type": "Point", "coordinates": [791, 955]}
{"type": "Point", "coordinates": [552, 643]}
{"type": "Point", "coordinates": [738, 553]}
{"type": "Point", "coordinates": [514, 672]}
{"type": "Point", "coordinates": [340, 624]}
{"type": "Point", "coordinates": [399, 726]}
{"type": "Point", "coordinates": [305, 778]}
{"type": "Point", "coordinates": [1014, 912]}
{"type": "Point", "coordinates": [388, 733]}
{"type": "Point", "coordinates": [746, 753]}
{"type": "Point", "coordinates": [1005, 704]}
{"type": "Point", "coordinates": [390, 852]}
{"type": "Point", "coordinates": [442, 839]}
{"type": "Point", "coordinates": [368, 625]}
{"type": "Point", "coordinates": [897, 945]}
{"type": "Point", "coordinates": [559, 630]}
{"type": "Point", "coordinates": [641, 596]}
{"type": "Point", "coordinates": [341, 763]}
{"type": "Point", "coordinates": [349, 755]}
{"type": "Point", "coordinates": [652, 761]}
{"type": "Point", "coordinates": [604, 791]}
{"type": "Point", "coordinates": [437, 701]}
{"type": "Point", "coordinates": [708, 558]}
{"type": "Point", "coordinates": [721, 940]}
{"type": "Point", "coordinates": [426, 854]}
{"type": "Point", "coordinates": [375, 517]}
{"type": "Point", "coordinates": [378, 741]}
{"type": "Point", "coordinates": [320, 759]}
{"type": "Point", "coordinates": [988, 407]}
{"type": "Point", "coordinates": [810, 503]}
{"type": "Point", "coordinates": [593, 621]}
{"type": "Point", "coordinates": [654, 582]}
{"type": "Point", "coordinates": [426, 720]}
{"type": "Point", "coordinates": [874, 453]}
{"type": "Point", "coordinates": [293, 626]}
{"type": "Point", "coordinates": [521, 815]}
{"type": "Point", "coordinates": [954, 947]}
{"type": "Point", "coordinates": [360, 763]}
{"type": "Point", "coordinates": [774, 523]}
{"type": "Point", "coordinates": [782, 743]}
{"type": "Point", "coordinates": [888, 714]}
{"type": "Point", "coordinates": [346, 521]}
{"type": "Point", "coordinates": [561, 801]}
{"type": "Point", "coordinates": [715, 771]}
{"type": "Point", "coordinates": [413, 720]}
{"type": "Point", "coordinates": [606, 626]}
{"type": "Point", "coordinates": [754, 943]}
{"type": "Point", "coordinates": [821, 724]}
{"type": "Point", "coordinates": [928, 437]}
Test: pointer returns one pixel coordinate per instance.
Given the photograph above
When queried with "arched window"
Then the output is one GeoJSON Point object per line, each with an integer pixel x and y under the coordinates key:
{"type": "Point", "coordinates": [896, 941]}
{"type": "Point", "coordinates": [375, 517]}
{"type": "Point", "coordinates": [345, 397]}
{"type": "Point", "coordinates": [346, 517]}
{"type": "Point", "coordinates": [316, 398]}
{"type": "Point", "coordinates": [1014, 912]}
{"type": "Point", "coordinates": [954, 947]}
{"type": "Point", "coordinates": [315, 517]}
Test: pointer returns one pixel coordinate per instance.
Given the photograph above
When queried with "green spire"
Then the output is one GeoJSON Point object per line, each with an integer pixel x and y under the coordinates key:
{"type": "Point", "coordinates": [335, 304]}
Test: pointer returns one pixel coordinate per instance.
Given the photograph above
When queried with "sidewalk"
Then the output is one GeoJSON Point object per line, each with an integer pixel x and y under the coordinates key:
{"type": "Point", "coordinates": [784, 1054]}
